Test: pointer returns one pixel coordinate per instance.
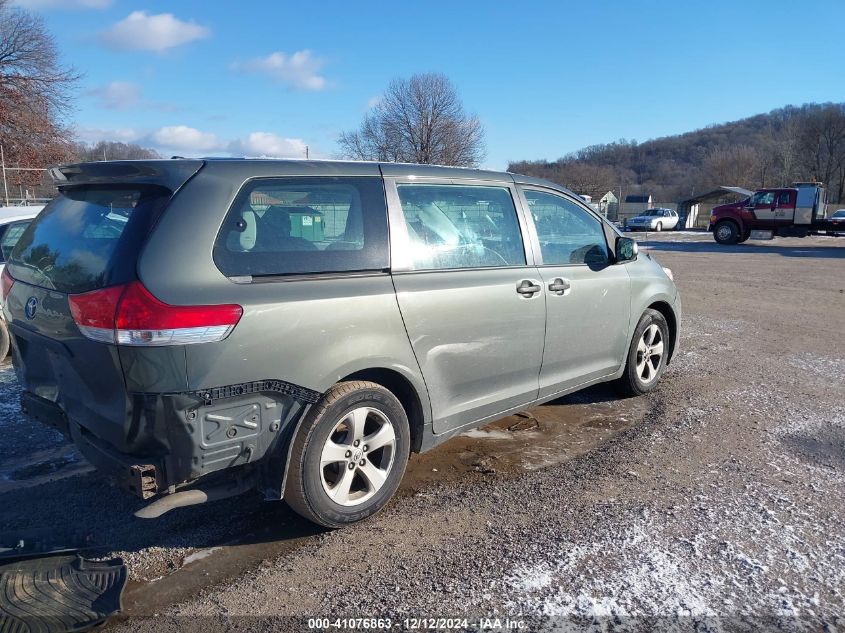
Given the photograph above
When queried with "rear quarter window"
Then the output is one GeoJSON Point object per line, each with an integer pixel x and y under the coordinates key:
{"type": "Point", "coordinates": [304, 225]}
{"type": "Point", "coordinates": [10, 235]}
{"type": "Point", "coordinates": [87, 237]}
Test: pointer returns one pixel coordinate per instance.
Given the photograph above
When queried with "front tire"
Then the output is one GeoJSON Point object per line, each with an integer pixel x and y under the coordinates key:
{"type": "Point", "coordinates": [349, 456]}
{"type": "Point", "coordinates": [659, 227]}
{"type": "Point", "coordinates": [4, 340]}
{"type": "Point", "coordinates": [726, 232]}
{"type": "Point", "coordinates": [647, 355]}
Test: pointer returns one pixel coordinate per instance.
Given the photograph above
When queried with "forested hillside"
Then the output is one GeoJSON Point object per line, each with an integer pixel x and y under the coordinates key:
{"type": "Point", "coordinates": [790, 144]}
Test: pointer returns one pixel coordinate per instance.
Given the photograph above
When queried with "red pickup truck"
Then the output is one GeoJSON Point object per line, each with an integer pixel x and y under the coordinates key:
{"type": "Point", "coordinates": [793, 211]}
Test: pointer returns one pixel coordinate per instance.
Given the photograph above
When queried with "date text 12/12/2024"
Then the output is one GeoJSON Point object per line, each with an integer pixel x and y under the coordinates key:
{"type": "Point", "coordinates": [417, 624]}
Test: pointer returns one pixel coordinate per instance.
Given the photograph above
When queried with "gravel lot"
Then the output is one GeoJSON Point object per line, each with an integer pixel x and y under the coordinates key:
{"type": "Point", "coordinates": [715, 503]}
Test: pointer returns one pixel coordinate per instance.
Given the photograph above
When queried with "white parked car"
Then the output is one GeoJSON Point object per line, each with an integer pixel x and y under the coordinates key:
{"type": "Point", "coordinates": [838, 219]}
{"type": "Point", "coordinates": [13, 222]}
{"type": "Point", "coordinates": [654, 220]}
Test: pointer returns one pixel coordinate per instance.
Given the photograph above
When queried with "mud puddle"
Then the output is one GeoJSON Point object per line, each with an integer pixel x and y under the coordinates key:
{"type": "Point", "coordinates": [535, 438]}
{"type": "Point", "coordinates": [41, 467]}
{"type": "Point", "coordinates": [284, 533]}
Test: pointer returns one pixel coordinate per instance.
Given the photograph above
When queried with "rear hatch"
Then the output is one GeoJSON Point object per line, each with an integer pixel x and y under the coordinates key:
{"type": "Point", "coordinates": [81, 248]}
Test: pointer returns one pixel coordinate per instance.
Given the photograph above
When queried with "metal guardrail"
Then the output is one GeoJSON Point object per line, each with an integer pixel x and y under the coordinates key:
{"type": "Point", "coordinates": [24, 197]}
{"type": "Point", "coordinates": [23, 202]}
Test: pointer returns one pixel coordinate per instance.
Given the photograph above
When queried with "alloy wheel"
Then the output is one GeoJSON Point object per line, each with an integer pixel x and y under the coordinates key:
{"type": "Point", "coordinates": [357, 456]}
{"type": "Point", "coordinates": [649, 354]}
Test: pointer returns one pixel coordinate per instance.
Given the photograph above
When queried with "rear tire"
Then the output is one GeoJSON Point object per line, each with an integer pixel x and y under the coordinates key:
{"type": "Point", "coordinates": [4, 340]}
{"type": "Point", "coordinates": [349, 456]}
{"type": "Point", "coordinates": [647, 355]}
{"type": "Point", "coordinates": [726, 232]}
{"type": "Point", "coordinates": [659, 227]}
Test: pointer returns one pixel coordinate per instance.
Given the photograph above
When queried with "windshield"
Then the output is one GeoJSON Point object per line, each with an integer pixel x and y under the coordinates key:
{"type": "Point", "coordinates": [839, 214]}
{"type": "Point", "coordinates": [87, 237]}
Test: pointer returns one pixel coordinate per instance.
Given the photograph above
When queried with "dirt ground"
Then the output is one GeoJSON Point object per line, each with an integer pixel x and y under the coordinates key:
{"type": "Point", "coordinates": [714, 503]}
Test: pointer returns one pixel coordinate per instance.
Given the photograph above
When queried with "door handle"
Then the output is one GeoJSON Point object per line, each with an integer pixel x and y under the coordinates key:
{"type": "Point", "coordinates": [528, 288]}
{"type": "Point", "coordinates": [559, 286]}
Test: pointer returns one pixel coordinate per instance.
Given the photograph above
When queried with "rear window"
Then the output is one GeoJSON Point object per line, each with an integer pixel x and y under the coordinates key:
{"type": "Point", "coordinates": [87, 237]}
{"type": "Point", "coordinates": [304, 225]}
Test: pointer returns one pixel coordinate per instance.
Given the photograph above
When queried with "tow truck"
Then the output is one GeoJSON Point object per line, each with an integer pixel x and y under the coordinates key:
{"type": "Point", "coordinates": [795, 211]}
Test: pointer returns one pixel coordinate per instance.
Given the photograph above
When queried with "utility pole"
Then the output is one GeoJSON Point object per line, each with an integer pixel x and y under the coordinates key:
{"type": "Point", "coordinates": [5, 186]}
{"type": "Point", "coordinates": [306, 152]}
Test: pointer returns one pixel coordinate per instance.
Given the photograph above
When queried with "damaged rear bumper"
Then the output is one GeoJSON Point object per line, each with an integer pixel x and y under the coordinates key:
{"type": "Point", "coordinates": [175, 440]}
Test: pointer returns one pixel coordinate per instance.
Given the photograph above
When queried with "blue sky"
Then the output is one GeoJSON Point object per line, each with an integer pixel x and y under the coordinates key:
{"type": "Point", "coordinates": [546, 78]}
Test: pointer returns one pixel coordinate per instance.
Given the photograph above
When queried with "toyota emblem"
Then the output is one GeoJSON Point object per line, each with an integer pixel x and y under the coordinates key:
{"type": "Point", "coordinates": [31, 307]}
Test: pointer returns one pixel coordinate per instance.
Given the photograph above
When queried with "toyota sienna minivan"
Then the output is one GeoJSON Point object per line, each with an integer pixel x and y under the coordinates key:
{"type": "Point", "coordinates": [203, 327]}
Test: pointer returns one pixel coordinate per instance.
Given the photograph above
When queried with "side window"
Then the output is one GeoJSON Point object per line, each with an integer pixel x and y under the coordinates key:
{"type": "Point", "coordinates": [783, 200]}
{"type": "Point", "coordinates": [10, 238]}
{"type": "Point", "coordinates": [461, 226]}
{"type": "Point", "coordinates": [282, 226]}
{"type": "Point", "coordinates": [763, 198]}
{"type": "Point", "coordinates": [568, 234]}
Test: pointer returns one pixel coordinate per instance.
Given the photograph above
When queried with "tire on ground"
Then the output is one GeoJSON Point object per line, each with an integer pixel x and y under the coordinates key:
{"type": "Point", "coordinates": [726, 232]}
{"type": "Point", "coordinates": [630, 383]}
{"type": "Point", "coordinates": [304, 491]}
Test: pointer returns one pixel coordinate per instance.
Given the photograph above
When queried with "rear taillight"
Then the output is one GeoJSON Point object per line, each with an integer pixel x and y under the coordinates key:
{"type": "Point", "coordinates": [130, 315]}
{"type": "Point", "coordinates": [6, 283]}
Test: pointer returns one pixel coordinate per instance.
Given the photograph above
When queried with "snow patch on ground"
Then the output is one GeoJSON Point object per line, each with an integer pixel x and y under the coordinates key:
{"type": "Point", "coordinates": [593, 581]}
{"type": "Point", "coordinates": [199, 555]}
{"type": "Point", "coordinates": [488, 434]}
{"type": "Point", "coordinates": [830, 368]}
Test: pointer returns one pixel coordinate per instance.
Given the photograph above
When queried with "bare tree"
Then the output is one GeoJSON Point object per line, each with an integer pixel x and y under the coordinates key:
{"type": "Point", "coordinates": [737, 164]}
{"type": "Point", "coordinates": [822, 143]}
{"type": "Point", "coordinates": [35, 91]}
{"type": "Point", "coordinates": [112, 150]}
{"type": "Point", "coordinates": [418, 120]}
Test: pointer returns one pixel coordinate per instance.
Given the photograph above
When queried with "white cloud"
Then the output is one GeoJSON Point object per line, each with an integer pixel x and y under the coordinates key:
{"type": "Point", "coordinates": [300, 70]}
{"type": "Point", "coordinates": [268, 145]}
{"type": "Point", "coordinates": [127, 95]}
{"type": "Point", "coordinates": [184, 138]}
{"type": "Point", "coordinates": [141, 31]}
{"type": "Point", "coordinates": [189, 141]}
{"type": "Point", "coordinates": [63, 4]}
{"type": "Point", "coordinates": [372, 102]}
{"type": "Point", "coordinates": [118, 95]}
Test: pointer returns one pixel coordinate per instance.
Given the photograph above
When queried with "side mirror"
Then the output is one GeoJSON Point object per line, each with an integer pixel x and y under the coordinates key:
{"type": "Point", "coordinates": [626, 250]}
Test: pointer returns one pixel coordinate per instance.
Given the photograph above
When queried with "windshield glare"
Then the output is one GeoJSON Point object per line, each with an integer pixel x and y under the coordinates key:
{"type": "Point", "coordinates": [87, 237]}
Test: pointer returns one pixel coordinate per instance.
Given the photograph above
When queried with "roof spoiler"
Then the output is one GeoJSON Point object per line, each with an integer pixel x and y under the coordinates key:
{"type": "Point", "coordinates": [167, 173]}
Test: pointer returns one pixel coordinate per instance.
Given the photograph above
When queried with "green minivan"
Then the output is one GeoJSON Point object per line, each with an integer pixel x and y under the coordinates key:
{"type": "Point", "coordinates": [203, 327]}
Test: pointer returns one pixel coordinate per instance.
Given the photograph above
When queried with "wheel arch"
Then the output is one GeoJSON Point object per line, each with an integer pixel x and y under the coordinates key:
{"type": "Point", "coordinates": [401, 387]}
{"type": "Point", "coordinates": [668, 313]}
{"type": "Point", "coordinates": [413, 400]}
